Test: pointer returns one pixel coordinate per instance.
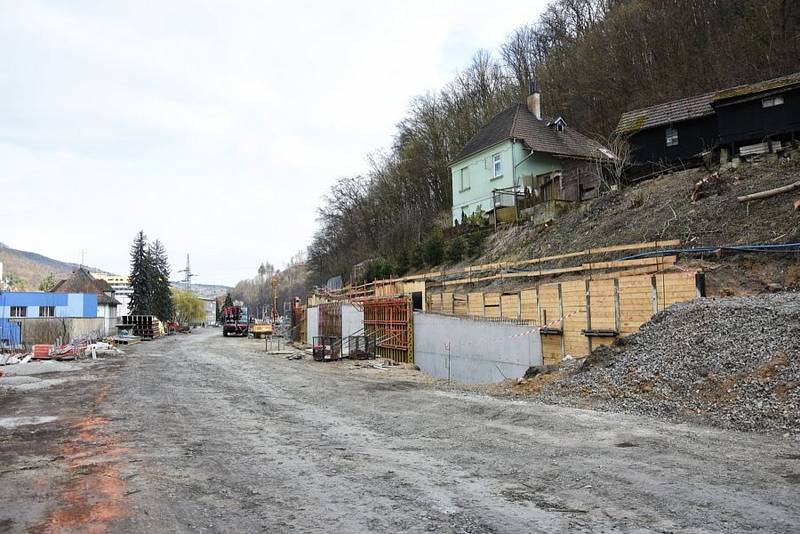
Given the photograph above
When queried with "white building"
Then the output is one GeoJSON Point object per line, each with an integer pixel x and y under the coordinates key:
{"type": "Point", "coordinates": [122, 290]}
{"type": "Point", "coordinates": [210, 307]}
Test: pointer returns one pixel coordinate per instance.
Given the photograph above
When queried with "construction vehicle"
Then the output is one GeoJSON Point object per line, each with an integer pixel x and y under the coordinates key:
{"type": "Point", "coordinates": [260, 328]}
{"type": "Point", "coordinates": [234, 321]}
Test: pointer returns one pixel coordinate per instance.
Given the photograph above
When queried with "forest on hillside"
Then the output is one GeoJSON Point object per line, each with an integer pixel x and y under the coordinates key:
{"type": "Point", "coordinates": [592, 60]}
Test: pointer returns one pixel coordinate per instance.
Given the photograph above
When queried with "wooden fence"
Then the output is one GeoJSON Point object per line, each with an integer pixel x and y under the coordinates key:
{"type": "Point", "coordinates": [579, 315]}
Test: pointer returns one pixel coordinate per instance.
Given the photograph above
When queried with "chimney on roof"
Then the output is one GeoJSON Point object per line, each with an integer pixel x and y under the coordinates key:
{"type": "Point", "coordinates": [535, 101]}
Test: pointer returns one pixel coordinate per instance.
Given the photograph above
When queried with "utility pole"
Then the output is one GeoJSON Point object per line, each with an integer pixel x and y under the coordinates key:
{"type": "Point", "coordinates": [187, 275]}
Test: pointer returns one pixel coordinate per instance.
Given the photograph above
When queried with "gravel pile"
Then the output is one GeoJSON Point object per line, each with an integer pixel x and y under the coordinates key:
{"type": "Point", "coordinates": [730, 362]}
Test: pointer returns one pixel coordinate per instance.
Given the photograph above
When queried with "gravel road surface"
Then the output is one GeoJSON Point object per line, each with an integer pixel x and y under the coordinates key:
{"type": "Point", "coordinates": [210, 434]}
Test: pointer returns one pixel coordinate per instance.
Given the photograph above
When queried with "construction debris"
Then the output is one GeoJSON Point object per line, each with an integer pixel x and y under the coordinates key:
{"type": "Point", "coordinates": [62, 352]}
{"type": "Point", "coordinates": [731, 362]}
{"type": "Point", "coordinates": [708, 186]}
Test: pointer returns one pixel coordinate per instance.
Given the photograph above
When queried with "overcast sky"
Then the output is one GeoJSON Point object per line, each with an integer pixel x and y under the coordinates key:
{"type": "Point", "coordinates": [214, 126]}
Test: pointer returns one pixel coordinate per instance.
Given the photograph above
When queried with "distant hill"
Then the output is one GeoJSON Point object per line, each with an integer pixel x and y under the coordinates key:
{"type": "Point", "coordinates": [31, 268]}
{"type": "Point", "coordinates": [206, 291]}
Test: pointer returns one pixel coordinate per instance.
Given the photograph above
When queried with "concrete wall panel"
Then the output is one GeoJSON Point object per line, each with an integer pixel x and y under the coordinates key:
{"type": "Point", "coordinates": [481, 352]}
{"type": "Point", "coordinates": [352, 323]}
{"type": "Point", "coordinates": [312, 324]}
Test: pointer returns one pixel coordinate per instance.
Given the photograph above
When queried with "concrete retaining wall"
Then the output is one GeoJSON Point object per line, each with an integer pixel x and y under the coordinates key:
{"type": "Point", "coordinates": [481, 352]}
{"type": "Point", "coordinates": [352, 323]}
{"type": "Point", "coordinates": [312, 324]}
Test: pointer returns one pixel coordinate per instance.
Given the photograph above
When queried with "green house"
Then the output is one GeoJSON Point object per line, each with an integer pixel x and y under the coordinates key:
{"type": "Point", "coordinates": [519, 152]}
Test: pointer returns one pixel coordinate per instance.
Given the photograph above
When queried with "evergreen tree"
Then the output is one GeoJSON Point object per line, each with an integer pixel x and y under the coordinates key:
{"type": "Point", "coordinates": [141, 302]}
{"type": "Point", "coordinates": [228, 300]}
{"type": "Point", "coordinates": [163, 305]}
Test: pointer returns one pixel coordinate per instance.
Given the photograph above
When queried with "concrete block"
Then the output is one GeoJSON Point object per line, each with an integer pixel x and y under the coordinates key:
{"type": "Point", "coordinates": [474, 351]}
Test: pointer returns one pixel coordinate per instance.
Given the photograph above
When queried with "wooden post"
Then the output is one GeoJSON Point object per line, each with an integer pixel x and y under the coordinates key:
{"type": "Point", "coordinates": [588, 315]}
{"type": "Point", "coordinates": [654, 297]}
{"type": "Point", "coordinates": [617, 321]}
{"type": "Point", "coordinates": [561, 316]}
{"type": "Point", "coordinates": [538, 308]}
{"type": "Point", "coordinates": [494, 210]}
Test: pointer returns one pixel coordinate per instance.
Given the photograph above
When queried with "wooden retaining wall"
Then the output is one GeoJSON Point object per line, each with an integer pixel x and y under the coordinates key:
{"type": "Point", "coordinates": [577, 316]}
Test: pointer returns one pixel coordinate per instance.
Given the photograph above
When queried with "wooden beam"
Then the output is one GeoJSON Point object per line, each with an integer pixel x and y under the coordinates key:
{"type": "Point", "coordinates": [769, 192]}
{"type": "Point", "coordinates": [657, 262]}
{"type": "Point", "coordinates": [522, 263]}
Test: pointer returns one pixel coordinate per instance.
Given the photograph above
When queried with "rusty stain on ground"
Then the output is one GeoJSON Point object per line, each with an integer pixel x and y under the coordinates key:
{"type": "Point", "coordinates": [94, 494]}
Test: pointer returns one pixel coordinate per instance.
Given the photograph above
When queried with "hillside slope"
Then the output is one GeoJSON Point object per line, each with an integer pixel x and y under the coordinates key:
{"type": "Point", "coordinates": [662, 209]}
{"type": "Point", "coordinates": [31, 268]}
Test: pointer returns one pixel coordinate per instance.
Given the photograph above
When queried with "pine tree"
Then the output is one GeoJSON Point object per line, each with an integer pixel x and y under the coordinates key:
{"type": "Point", "coordinates": [140, 278]}
{"type": "Point", "coordinates": [163, 305]}
{"type": "Point", "coordinates": [228, 300]}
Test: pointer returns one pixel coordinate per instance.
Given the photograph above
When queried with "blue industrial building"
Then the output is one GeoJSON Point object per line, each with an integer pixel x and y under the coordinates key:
{"type": "Point", "coordinates": [16, 307]}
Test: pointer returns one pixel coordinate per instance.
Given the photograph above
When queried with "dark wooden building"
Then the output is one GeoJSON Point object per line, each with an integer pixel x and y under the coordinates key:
{"type": "Point", "coordinates": [761, 112]}
{"type": "Point", "coordinates": [747, 119]}
{"type": "Point", "coordinates": [671, 133]}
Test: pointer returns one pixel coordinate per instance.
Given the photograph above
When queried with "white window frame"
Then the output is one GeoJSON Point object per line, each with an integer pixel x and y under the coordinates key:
{"type": "Point", "coordinates": [14, 312]}
{"type": "Point", "coordinates": [465, 184]}
{"type": "Point", "coordinates": [497, 165]}
{"type": "Point", "coordinates": [671, 136]}
{"type": "Point", "coordinates": [772, 101]}
{"type": "Point", "coordinates": [51, 309]}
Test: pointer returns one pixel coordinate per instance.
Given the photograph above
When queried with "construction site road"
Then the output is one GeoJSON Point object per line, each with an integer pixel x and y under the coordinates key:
{"type": "Point", "coordinates": [204, 433]}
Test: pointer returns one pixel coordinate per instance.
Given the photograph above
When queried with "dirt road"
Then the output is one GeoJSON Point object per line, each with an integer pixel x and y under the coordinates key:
{"type": "Point", "coordinates": [202, 433]}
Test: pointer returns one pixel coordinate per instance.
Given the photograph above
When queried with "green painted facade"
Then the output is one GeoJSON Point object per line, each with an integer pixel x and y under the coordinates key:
{"type": "Point", "coordinates": [478, 169]}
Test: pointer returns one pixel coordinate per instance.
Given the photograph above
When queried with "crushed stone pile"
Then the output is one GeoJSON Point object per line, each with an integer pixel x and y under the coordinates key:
{"type": "Point", "coordinates": [729, 362]}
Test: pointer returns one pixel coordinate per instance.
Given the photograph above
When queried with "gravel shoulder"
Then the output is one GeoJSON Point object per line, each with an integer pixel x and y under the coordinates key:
{"type": "Point", "coordinates": [730, 362]}
{"type": "Point", "coordinates": [201, 433]}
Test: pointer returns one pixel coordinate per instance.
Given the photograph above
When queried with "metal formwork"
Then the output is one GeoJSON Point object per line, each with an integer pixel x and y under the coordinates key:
{"type": "Point", "coordinates": [330, 319]}
{"type": "Point", "coordinates": [389, 320]}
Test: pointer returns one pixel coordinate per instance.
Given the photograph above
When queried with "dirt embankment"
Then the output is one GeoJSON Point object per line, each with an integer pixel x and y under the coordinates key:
{"type": "Point", "coordinates": [731, 362]}
{"type": "Point", "coordinates": [663, 208]}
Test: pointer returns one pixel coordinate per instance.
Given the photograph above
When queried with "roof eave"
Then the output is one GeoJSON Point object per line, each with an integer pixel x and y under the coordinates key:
{"type": "Point", "coordinates": [462, 158]}
{"type": "Point", "coordinates": [631, 131]}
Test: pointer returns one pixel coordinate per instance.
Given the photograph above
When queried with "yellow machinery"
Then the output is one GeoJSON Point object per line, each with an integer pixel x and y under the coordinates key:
{"type": "Point", "coordinates": [259, 328]}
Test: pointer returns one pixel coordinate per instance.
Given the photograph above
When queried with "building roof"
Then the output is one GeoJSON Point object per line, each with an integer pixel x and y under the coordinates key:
{"type": "Point", "coordinates": [697, 106]}
{"type": "Point", "coordinates": [81, 281]}
{"type": "Point", "coordinates": [517, 122]}
{"type": "Point", "coordinates": [685, 109]}
{"type": "Point", "coordinates": [758, 87]}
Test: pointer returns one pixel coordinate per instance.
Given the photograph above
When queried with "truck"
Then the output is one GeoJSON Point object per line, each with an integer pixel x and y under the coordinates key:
{"type": "Point", "coordinates": [234, 321]}
{"type": "Point", "coordinates": [260, 328]}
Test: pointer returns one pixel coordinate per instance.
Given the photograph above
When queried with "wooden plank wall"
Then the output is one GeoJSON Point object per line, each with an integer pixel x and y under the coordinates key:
{"type": "Point", "coordinates": [509, 305]}
{"type": "Point", "coordinates": [475, 305]}
{"type": "Point", "coordinates": [573, 300]}
{"type": "Point", "coordinates": [603, 311]}
{"type": "Point", "coordinates": [529, 305]}
{"type": "Point", "coordinates": [460, 304]}
{"type": "Point", "coordinates": [447, 302]}
{"type": "Point", "coordinates": [491, 305]}
{"type": "Point", "coordinates": [569, 309]}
